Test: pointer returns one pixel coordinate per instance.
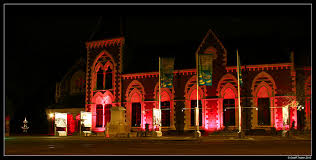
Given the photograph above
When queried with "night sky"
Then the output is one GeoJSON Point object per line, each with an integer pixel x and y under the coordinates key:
{"type": "Point", "coordinates": [43, 42]}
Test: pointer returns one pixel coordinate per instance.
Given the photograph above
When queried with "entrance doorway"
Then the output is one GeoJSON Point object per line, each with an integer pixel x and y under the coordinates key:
{"type": "Point", "coordinates": [136, 114]}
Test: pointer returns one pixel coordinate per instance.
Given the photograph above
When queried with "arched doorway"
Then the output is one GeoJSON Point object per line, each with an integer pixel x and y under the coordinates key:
{"type": "Point", "coordinates": [229, 107]}
{"type": "Point", "coordinates": [101, 111]}
{"type": "Point", "coordinates": [135, 112]}
{"type": "Point", "coordinates": [263, 91]}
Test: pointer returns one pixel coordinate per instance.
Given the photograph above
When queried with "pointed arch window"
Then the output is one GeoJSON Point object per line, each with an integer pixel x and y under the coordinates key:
{"type": "Point", "coordinates": [263, 107]}
{"type": "Point", "coordinates": [100, 77]}
{"type": "Point", "coordinates": [108, 78]}
{"type": "Point", "coordinates": [136, 110]}
{"type": "Point", "coordinates": [229, 104]}
{"type": "Point", "coordinates": [165, 108]}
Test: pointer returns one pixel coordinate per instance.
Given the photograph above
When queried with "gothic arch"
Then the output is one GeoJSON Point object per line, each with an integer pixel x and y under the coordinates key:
{"type": "Point", "coordinates": [108, 64]}
{"type": "Point", "coordinates": [167, 94]}
{"type": "Point", "coordinates": [135, 92]}
{"type": "Point", "coordinates": [100, 98]}
{"type": "Point", "coordinates": [263, 77]}
{"type": "Point", "coordinates": [190, 86]}
{"type": "Point", "coordinates": [259, 91]}
{"type": "Point", "coordinates": [103, 64]}
{"type": "Point", "coordinates": [168, 91]}
{"type": "Point", "coordinates": [190, 94]}
{"type": "Point", "coordinates": [98, 67]}
{"type": "Point", "coordinates": [135, 86]}
{"type": "Point", "coordinates": [135, 96]}
{"type": "Point", "coordinates": [107, 54]}
{"type": "Point", "coordinates": [227, 78]}
{"type": "Point", "coordinates": [263, 86]}
{"type": "Point", "coordinates": [223, 90]}
{"type": "Point", "coordinates": [226, 90]}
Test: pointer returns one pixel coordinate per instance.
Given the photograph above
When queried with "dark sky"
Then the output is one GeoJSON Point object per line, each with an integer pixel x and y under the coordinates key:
{"type": "Point", "coordinates": [42, 42]}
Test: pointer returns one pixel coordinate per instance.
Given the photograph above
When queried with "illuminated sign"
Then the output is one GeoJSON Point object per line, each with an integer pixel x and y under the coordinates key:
{"type": "Point", "coordinates": [86, 119]}
{"type": "Point", "coordinates": [156, 117]}
{"type": "Point", "coordinates": [61, 119]}
{"type": "Point", "coordinates": [285, 112]}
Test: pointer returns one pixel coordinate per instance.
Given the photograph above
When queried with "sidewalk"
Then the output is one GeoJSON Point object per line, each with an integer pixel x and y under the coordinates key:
{"type": "Point", "coordinates": [208, 138]}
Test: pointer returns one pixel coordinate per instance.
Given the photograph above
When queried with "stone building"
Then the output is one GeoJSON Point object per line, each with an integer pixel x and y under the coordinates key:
{"type": "Point", "coordinates": [266, 89]}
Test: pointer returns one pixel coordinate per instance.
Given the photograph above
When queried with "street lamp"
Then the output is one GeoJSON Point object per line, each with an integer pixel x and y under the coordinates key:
{"type": "Point", "coordinates": [51, 115]}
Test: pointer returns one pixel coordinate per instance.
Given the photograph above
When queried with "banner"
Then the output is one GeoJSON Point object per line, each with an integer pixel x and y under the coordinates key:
{"type": "Point", "coordinates": [86, 118]}
{"type": "Point", "coordinates": [205, 69]}
{"type": "Point", "coordinates": [156, 117]}
{"type": "Point", "coordinates": [60, 119]}
{"type": "Point", "coordinates": [285, 115]}
{"type": "Point", "coordinates": [166, 72]}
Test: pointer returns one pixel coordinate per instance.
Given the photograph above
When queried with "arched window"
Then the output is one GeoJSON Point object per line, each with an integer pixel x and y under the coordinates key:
{"type": "Point", "coordinates": [229, 107]}
{"type": "Point", "coordinates": [263, 91]}
{"type": "Point", "coordinates": [134, 96]}
{"type": "Point", "coordinates": [108, 78]}
{"type": "Point", "coordinates": [103, 62]}
{"type": "Point", "coordinates": [191, 102]}
{"type": "Point", "coordinates": [100, 77]}
{"type": "Point", "coordinates": [136, 110]}
{"type": "Point", "coordinates": [227, 91]}
{"type": "Point", "coordinates": [263, 107]}
{"type": "Point", "coordinates": [165, 109]}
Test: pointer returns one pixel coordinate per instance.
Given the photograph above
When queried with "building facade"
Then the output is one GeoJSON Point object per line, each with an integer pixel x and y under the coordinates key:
{"type": "Point", "coordinates": [266, 90]}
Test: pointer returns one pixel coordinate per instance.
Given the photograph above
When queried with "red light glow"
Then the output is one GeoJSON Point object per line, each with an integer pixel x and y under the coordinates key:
{"type": "Point", "coordinates": [70, 124]}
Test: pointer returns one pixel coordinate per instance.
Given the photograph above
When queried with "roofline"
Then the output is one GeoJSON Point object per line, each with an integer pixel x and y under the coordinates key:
{"type": "Point", "coordinates": [276, 66]}
{"type": "Point", "coordinates": [105, 42]}
{"type": "Point", "coordinates": [263, 65]}
{"type": "Point", "coordinates": [210, 31]}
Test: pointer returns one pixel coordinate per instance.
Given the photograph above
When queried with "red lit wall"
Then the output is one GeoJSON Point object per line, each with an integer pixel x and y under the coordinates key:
{"type": "Point", "coordinates": [212, 116]}
{"type": "Point", "coordinates": [141, 87]}
{"type": "Point", "coordinates": [70, 124]}
{"type": "Point", "coordinates": [147, 117]}
{"type": "Point", "coordinates": [281, 102]}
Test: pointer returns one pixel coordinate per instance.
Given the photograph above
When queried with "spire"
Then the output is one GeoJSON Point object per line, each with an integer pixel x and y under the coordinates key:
{"type": "Point", "coordinates": [107, 27]}
{"type": "Point", "coordinates": [97, 27]}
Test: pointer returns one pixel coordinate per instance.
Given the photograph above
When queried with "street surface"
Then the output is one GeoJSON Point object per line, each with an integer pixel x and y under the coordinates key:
{"type": "Point", "coordinates": [50, 145]}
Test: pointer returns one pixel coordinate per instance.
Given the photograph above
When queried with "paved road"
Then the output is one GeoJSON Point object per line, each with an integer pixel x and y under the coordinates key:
{"type": "Point", "coordinates": [163, 146]}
